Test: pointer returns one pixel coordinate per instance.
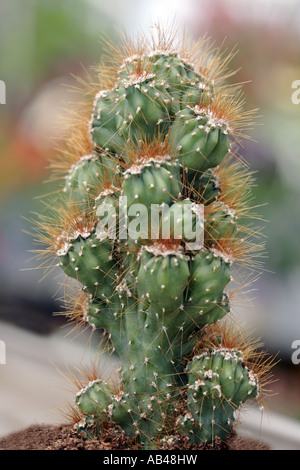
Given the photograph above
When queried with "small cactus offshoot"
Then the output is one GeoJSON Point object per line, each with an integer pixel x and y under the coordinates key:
{"type": "Point", "coordinates": [160, 129]}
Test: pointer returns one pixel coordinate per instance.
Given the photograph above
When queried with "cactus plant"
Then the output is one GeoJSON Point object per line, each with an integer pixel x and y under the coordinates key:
{"type": "Point", "coordinates": [160, 129]}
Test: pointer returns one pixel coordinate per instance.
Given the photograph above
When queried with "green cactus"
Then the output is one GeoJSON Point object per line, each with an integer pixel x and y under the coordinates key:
{"type": "Point", "coordinates": [218, 384]}
{"type": "Point", "coordinates": [163, 133]}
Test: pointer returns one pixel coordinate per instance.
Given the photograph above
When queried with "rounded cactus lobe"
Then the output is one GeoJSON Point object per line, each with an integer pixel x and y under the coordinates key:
{"type": "Point", "coordinates": [220, 223]}
{"type": "Point", "coordinates": [94, 399]}
{"type": "Point", "coordinates": [106, 121]}
{"type": "Point", "coordinates": [173, 69]}
{"type": "Point", "coordinates": [219, 382]}
{"type": "Point", "coordinates": [82, 178]}
{"type": "Point", "coordinates": [162, 280]}
{"type": "Point", "coordinates": [152, 183]}
{"type": "Point", "coordinates": [85, 177]}
{"type": "Point", "coordinates": [143, 418]}
{"type": "Point", "coordinates": [184, 84]}
{"type": "Point", "coordinates": [168, 70]}
{"type": "Point", "coordinates": [201, 143]}
{"type": "Point", "coordinates": [145, 109]}
{"type": "Point", "coordinates": [205, 302]}
{"type": "Point", "coordinates": [90, 261]}
{"type": "Point", "coordinates": [195, 320]}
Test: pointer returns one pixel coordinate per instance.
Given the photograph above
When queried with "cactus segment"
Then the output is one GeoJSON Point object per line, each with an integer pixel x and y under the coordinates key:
{"type": "Point", "coordinates": [162, 281]}
{"type": "Point", "coordinates": [219, 383]}
{"type": "Point", "coordinates": [94, 399]}
{"type": "Point", "coordinates": [82, 181]}
{"type": "Point", "coordinates": [90, 262]}
{"type": "Point", "coordinates": [201, 141]}
{"type": "Point", "coordinates": [83, 175]}
{"type": "Point", "coordinates": [210, 274]}
{"type": "Point", "coordinates": [152, 183]}
{"type": "Point", "coordinates": [169, 71]}
{"type": "Point", "coordinates": [145, 110]}
{"type": "Point", "coordinates": [106, 121]}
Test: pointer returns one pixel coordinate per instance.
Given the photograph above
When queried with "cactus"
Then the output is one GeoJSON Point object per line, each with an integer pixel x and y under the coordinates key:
{"type": "Point", "coordinates": [162, 128]}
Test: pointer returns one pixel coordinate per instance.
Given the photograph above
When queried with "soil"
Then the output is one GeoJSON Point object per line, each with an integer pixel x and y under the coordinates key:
{"type": "Point", "coordinates": [63, 437]}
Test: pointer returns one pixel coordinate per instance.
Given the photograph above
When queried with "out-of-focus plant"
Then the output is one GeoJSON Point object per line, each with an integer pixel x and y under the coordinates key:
{"type": "Point", "coordinates": [267, 41]}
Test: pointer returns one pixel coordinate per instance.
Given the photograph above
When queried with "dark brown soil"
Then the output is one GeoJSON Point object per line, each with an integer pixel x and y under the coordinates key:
{"type": "Point", "coordinates": [65, 438]}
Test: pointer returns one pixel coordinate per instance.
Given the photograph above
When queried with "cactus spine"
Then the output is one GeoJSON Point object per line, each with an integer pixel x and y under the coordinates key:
{"type": "Point", "coordinates": [163, 130]}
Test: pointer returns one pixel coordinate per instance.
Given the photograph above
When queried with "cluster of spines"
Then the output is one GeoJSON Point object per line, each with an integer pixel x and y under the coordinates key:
{"type": "Point", "coordinates": [158, 134]}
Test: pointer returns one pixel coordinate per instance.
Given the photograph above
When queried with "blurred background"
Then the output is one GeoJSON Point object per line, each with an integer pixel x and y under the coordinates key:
{"type": "Point", "coordinates": [43, 46]}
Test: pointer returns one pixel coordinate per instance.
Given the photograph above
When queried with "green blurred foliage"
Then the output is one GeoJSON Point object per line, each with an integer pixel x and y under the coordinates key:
{"type": "Point", "coordinates": [38, 36]}
{"type": "Point", "coordinates": [41, 41]}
